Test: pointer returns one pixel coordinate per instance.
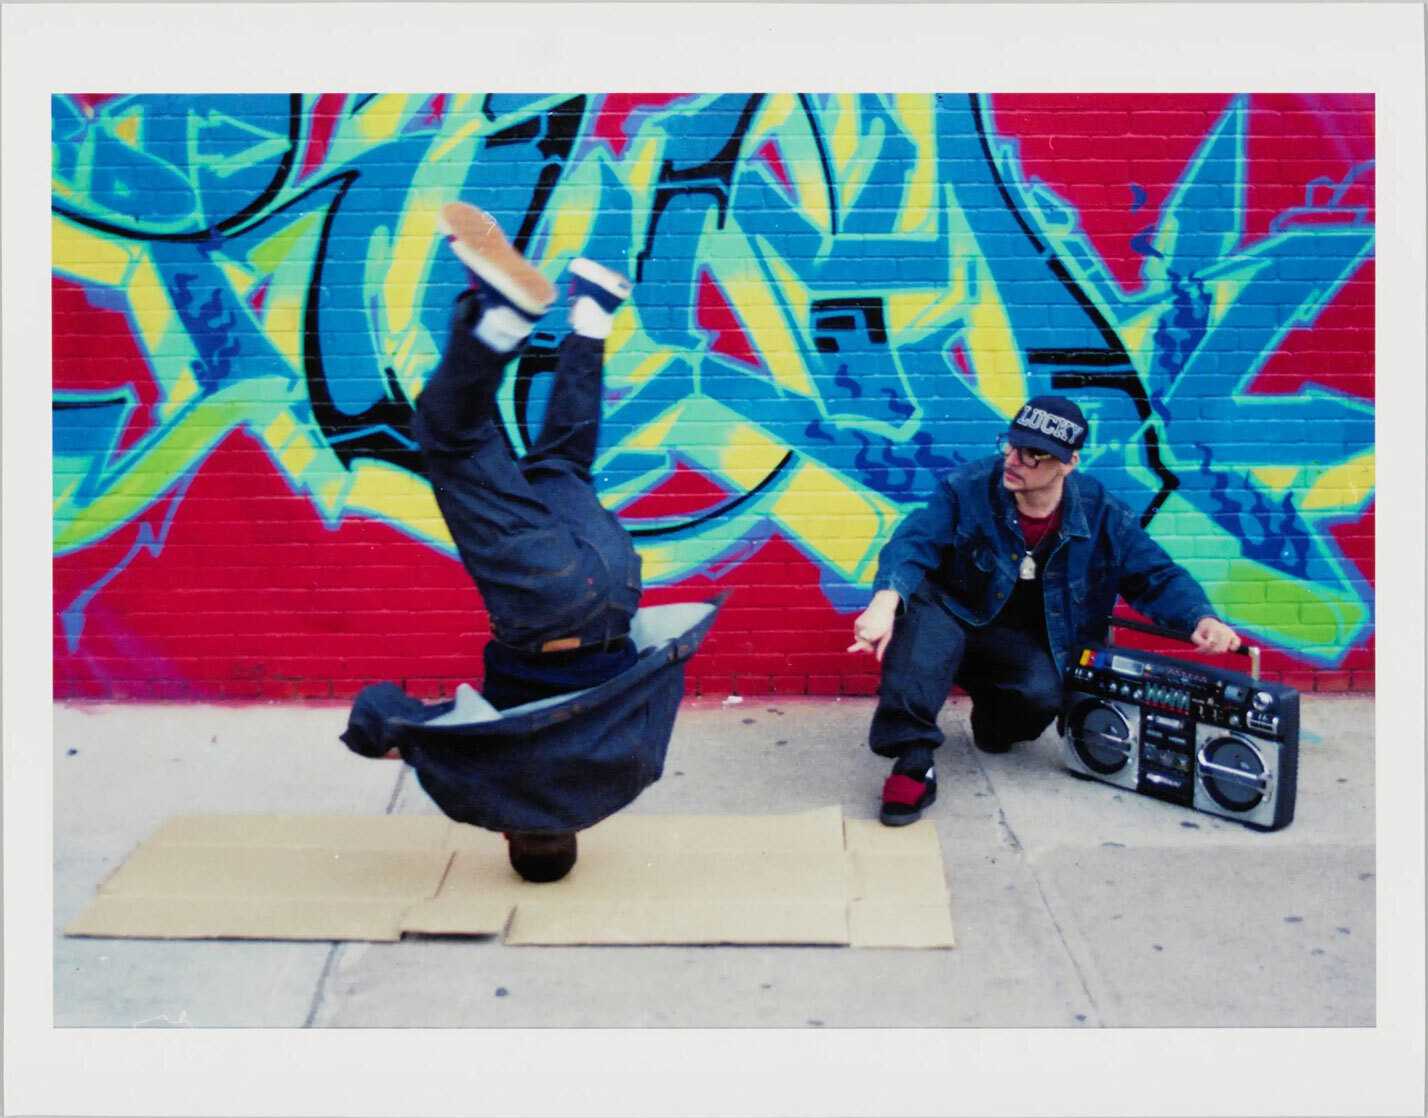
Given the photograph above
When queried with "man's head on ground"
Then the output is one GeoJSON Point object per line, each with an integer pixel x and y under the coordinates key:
{"type": "Point", "coordinates": [1042, 445]}
{"type": "Point", "coordinates": [542, 857]}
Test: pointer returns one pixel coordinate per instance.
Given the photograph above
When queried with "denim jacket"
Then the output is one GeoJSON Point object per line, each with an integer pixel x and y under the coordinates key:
{"type": "Point", "coordinates": [968, 542]}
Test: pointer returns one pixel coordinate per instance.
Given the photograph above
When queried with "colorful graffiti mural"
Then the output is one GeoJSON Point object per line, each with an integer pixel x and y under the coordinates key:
{"type": "Point", "coordinates": [837, 297]}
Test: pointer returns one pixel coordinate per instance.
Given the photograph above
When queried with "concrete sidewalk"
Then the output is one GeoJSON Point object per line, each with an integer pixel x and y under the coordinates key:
{"type": "Point", "coordinates": [1075, 904]}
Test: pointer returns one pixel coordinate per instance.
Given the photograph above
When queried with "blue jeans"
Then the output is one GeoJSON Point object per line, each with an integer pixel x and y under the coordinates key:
{"type": "Point", "coordinates": [549, 560]}
{"type": "Point", "coordinates": [1008, 672]}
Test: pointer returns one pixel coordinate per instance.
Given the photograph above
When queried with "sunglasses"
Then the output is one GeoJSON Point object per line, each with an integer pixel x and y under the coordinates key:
{"type": "Point", "coordinates": [1029, 458]}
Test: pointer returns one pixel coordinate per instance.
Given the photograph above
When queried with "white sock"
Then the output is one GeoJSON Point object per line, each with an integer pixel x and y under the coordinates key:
{"type": "Point", "coordinates": [501, 329]}
{"type": "Point", "coordinates": [589, 319]}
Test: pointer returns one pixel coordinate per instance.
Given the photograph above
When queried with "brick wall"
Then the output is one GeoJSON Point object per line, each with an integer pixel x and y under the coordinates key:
{"type": "Point", "coordinates": [838, 297]}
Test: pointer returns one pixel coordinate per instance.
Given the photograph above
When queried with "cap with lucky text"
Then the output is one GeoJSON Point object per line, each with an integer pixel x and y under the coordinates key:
{"type": "Point", "coordinates": [1050, 423]}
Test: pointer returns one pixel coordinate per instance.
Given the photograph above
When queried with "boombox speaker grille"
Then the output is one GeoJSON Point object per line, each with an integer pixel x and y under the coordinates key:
{"type": "Point", "coordinates": [1234, 773]}
{"type": "Point", "coordinates": [1101, 737]}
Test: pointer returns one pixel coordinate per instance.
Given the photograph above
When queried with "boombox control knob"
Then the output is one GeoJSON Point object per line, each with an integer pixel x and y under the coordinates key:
{"type": "Point", "coordinates": [1262, 700]}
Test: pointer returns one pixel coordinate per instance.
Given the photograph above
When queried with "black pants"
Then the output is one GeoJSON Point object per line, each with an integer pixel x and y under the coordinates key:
{"type": "Point", "coordinates": [549, 560]}
{"type": "Point", "coordinates": [1008, 672]}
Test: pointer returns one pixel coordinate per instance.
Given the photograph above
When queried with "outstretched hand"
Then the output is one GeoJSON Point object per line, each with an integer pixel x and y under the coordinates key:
{"type": "Point", "coordinates": [1213, 635]}
{"type": "Point", "coordinates": [873, 628]}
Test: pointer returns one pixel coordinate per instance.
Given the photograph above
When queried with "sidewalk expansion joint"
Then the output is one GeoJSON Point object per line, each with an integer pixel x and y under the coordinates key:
{"type": "Point", "coordinates": [397, 788]}
{"type": "Point", "coordinates": [318, 995]}
{"type": "Point", "coordinates": [1009, 838]}
{"type": "Point", "coordinates": [1065, 946]}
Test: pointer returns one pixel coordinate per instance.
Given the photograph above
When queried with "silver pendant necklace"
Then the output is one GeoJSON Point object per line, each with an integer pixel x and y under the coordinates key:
{"type": "Point", "coordinates": [1028, 567]}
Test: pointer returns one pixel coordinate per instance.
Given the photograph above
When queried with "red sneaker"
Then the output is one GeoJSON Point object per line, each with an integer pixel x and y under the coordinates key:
{"type": "Point", "coordinates": [905, 797]}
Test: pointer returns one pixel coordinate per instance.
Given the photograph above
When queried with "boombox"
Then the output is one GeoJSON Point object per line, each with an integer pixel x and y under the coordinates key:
{"type": "Point", "coordinates": [1204, 738]}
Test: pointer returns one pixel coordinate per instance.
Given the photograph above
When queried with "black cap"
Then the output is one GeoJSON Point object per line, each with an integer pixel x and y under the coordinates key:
{"type": "Point", "coordinates": [1050, 423]}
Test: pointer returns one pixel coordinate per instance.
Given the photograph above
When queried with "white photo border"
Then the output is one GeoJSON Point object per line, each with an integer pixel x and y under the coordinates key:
{"type": "Point", "coordinates": [1271, 47]}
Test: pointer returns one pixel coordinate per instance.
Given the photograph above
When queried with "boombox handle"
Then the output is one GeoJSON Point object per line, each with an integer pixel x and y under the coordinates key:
{"type": "Point", "coordinates": [1250, 650]}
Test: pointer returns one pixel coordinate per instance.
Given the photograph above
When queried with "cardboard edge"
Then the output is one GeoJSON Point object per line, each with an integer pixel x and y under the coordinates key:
{"type": "Point", "coordinates": [236, 918]}
{"type": "Point", "coordinates": [622, 923]}
{"type": "Point", "coordinates": [452, 918]}
{"type": "Point", "coordinates": [883, 924]}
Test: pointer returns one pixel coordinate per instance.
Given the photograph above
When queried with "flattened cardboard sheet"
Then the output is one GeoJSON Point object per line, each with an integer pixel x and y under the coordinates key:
{"type": "Point", "coordinates": [810, 878]}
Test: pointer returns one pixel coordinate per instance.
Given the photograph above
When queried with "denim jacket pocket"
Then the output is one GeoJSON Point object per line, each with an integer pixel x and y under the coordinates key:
{"type": "Point", "coordinates": [967, 566]}
{"type": "Point", "coordinates": [1092, 577]}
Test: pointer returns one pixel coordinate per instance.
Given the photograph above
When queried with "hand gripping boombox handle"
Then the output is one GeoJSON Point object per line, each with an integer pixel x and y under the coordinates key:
{"type": "Point", "coordinates": [1250, 650]}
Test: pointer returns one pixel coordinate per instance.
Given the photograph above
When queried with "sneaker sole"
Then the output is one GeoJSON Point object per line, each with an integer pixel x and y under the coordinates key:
{"type": "Point", "coordinates": [902, 819]}
{"type": "Point", "coordinates": [607, 278]}
{"type": "Point", "coordinates": [479, 244]}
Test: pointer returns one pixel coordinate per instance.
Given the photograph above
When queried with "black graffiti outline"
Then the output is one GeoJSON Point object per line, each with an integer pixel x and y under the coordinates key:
{"type": "Point", "coordinates": [1121, 374]}
{"type": "Point", "coordinates": [381, 424]}
{"type": "Point", "coordinates": [229, 225]}
{"type": "Point", "coordinates": [718, 510]}
{"type": "Point", "coordinates": [562, 130]}
{"type": "Point", "coordinates": [804, 101]}
{"type": "Point", "coordinates": [380, 431]}
{"type": "Point", "coordinates": [720, 168]}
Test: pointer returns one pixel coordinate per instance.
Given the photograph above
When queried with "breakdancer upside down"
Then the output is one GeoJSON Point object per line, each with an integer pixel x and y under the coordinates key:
{"type": "Point", "coordinates": [558, 573]}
